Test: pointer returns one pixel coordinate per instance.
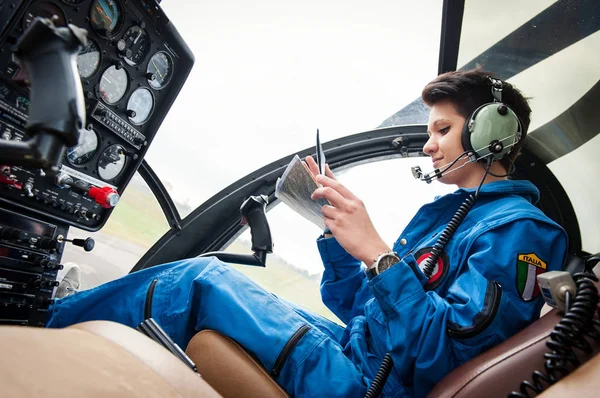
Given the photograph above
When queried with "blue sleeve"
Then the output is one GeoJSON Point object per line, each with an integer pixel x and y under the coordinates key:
{"type": "Point", "coordinates": [344, 288]}
{"type": "Point", "coordinates": [429, 335]}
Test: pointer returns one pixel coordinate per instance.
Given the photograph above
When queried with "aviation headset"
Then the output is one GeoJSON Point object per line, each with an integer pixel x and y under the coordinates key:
{"type": "Point", "coordinates": [493, 129]}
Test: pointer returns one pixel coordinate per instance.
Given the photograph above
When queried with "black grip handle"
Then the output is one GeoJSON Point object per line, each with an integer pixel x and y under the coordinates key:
{"type": "Point", "coordinates": [254, 211]}
{"type": "Point", "coordinates": [49, 55]}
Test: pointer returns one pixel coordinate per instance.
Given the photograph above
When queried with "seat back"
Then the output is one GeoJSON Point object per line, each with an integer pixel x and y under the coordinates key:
{"type": "Point", "coordinates": [229, 369]}
{"type": "Point", "coordinates": [92, 359]}
{"type": "Point", "coordinates": [500, 370]}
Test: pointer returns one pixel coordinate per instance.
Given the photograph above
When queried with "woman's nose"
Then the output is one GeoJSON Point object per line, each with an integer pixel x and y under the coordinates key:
{"type": "Point", "coordinates": [430, 146]}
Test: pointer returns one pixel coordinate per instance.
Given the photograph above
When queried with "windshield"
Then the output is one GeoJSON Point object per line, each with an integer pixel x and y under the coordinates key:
{"type": "Point", "coordinates": [267, 75]}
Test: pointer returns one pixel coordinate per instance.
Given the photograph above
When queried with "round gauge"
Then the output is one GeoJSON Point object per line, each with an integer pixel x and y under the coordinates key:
{"type": "Point", "coordinates": [73, 2]}
{"type": "Point", "coordinates": [106, 17]}
{"type": "Point", "coordinates": [44, 9]}
{"type": "Point", "coordinates": [88, 59]}
{"type": "Point", "coordinates": [113, 84]}
{"type": "Point", "coordinates": [85, 149]}
{"type": "Point", "coordinates": [159, 70]}
{"type": "Point", "coordinates": [112, 162]}
{"type": "Point", "coordinates": [135, 45]}
{"type": "Point", "coordinates": [140, 105]}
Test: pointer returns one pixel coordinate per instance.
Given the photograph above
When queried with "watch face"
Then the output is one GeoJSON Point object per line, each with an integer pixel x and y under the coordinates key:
{"type": "Point", "coordinates": [386, 262]}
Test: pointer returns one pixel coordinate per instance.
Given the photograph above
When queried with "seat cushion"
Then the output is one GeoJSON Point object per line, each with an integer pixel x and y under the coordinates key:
{"type": "Point", "coordinates": [93, 359]}
{"type": "Point", "coordinates": [229, 369]}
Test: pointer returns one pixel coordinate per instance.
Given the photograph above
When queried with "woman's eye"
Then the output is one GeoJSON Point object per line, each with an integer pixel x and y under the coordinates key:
{"type": "Point", "coordinates": [444, 130]}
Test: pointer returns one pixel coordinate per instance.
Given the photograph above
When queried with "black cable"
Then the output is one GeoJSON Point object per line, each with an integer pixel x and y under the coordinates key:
{"type": "Point", "coordinates": [380, 377]}
{"type": "Point", "coordinates": [386, 365]}
{"type": "Point", "coordinates": [577, 323]}
{"type": "Point", "coordinates": [455, 221]}
{"type": "Point", "coordinates": [511, 169]}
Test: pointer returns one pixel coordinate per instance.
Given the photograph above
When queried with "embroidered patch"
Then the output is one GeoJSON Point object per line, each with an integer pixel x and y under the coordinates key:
{"type": "Point", "coordinates": [529, 266]}
{"type": "Point", "coordinates": [440, 269]}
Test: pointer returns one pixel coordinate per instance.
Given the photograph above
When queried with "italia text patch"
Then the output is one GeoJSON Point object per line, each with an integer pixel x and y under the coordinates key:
{"type": "Point", "coordinates": [529, 266]}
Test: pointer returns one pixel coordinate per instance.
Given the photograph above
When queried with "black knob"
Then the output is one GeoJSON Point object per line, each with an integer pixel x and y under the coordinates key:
{"type": "Point", "coordinates": [118, 64]}
{"type": "Point", "coordinates": [130, 113]}
{"type": "Point", "coordinates": [150, 76]}
{"type": "Point", "coordinates": [503, 110]}
{"type": "Point", "coordinates": [101, 112]}
{"type": "Point", "coordinates": [48, 243]}
{"type": "Point", "coordinates": [87, 244]}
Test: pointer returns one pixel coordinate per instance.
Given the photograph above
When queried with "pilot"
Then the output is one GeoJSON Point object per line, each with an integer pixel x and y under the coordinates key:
{"type": "Point", "coordinates": [460, 278]}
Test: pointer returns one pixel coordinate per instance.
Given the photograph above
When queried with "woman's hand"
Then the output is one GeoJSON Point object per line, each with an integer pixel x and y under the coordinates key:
{"type": "Point", "coordinates": [314, 168]}
{"type": "Point", "coordinates": [347, 218]}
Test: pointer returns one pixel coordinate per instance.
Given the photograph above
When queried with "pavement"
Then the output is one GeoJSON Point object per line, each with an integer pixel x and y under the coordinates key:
{"type": "Point", "coordinates": [110, 259]}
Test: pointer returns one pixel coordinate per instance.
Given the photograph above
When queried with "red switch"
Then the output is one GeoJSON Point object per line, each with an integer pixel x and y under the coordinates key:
{"type": "Point", "coordinates": [106, 197]}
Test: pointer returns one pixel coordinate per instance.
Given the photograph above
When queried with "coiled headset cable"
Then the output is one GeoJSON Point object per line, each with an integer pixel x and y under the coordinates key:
{"type": "Point", "coordinates": [576, 324]}
{"type": "Point", "coordinates": [386, 365]}
{"type": "Point", "coordinates": [455, 221]}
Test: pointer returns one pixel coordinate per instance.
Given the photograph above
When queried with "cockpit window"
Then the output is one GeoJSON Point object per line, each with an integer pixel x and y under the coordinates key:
{"type": "Point", "coordinates": [268, 75]}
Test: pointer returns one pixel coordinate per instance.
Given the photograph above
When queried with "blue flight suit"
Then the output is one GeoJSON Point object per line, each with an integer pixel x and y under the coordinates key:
{"type": "Point", "coordinates": [481, 292]}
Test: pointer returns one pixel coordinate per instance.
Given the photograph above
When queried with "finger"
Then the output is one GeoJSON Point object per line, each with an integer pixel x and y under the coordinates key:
{"type": "Point", "coordinates": [336, 185]}
{"type": "Point", "coordinates": [331, 195]}
{"type": "Point", "coordinates": [329, 212]}
{"type": "Point", "coordinates": [328, 172]}
{"type": "Point", "coordinates": [312, 165]}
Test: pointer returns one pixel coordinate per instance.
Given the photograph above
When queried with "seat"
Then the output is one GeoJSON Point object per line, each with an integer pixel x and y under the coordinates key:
{"type": "Point", "coordinates": [229, 369]}
{"type": "Point", "coordinates": [500, 370]}
{"type": "Point", "coordinates": [92, 359]}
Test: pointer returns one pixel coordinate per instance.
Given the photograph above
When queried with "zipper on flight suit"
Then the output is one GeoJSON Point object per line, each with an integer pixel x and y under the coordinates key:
{"type": "Point", "coordinates": [149, 297]}
{"type": "Point", "coordinates": [287, 349]}
{"type": "Point", "coordinates": [491, 302]}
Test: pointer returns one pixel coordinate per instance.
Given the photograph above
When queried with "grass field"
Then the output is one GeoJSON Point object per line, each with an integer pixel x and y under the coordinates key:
{"type": "Point", "coordinates": [139, 219]}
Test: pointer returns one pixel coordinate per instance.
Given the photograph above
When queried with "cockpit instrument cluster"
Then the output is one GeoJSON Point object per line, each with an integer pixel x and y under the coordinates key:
{"type": "Point", "coordinates": [131, 70]}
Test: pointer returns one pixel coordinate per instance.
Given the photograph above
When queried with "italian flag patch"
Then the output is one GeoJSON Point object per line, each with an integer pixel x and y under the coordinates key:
{"type": "Point", "coordinates": [529, 266]}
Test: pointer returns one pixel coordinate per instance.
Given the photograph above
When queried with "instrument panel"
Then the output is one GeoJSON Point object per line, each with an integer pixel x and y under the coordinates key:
{"type": "Point", "coordinates": [131, 71]}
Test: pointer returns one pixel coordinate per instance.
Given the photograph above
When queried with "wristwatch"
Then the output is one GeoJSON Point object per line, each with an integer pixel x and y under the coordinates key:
{"type": "Point", "coordinates": [382, 263]}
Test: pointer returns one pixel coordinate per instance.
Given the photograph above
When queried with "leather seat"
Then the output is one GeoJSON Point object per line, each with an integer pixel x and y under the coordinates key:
{"type": "Point", "coordinates": [92, 359]}
{"type": "Point", "coordinates": [233, 372]}
{"type": "Point", "coordinates": [229, 369]}
{"type": "Point", "coordinates": [500, 370]}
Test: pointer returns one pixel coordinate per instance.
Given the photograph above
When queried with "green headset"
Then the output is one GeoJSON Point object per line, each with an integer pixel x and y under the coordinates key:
{"type": "Point", "coordinates": [493, 129]}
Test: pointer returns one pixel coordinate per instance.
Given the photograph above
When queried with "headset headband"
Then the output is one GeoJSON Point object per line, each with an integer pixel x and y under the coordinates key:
{"type": "Point", "coordinates": [497, 87]}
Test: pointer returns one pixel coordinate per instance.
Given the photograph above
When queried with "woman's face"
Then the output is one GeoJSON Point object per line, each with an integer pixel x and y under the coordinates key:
{"type": "Point", "coordinates": [444, 146]}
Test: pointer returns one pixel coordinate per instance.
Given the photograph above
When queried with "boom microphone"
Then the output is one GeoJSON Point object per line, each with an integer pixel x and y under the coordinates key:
{"type": "Point", "coordinates": [441, 171]}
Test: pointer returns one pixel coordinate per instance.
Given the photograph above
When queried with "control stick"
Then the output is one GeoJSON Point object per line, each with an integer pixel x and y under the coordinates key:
{"type": "Point", "coordinates": [87, 244]}
{"type": "Point", "coordinates": [254, 214]}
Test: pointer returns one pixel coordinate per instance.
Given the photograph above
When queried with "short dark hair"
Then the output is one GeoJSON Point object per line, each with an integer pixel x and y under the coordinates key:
{"type": "Point", "coordinates": [467, 90]}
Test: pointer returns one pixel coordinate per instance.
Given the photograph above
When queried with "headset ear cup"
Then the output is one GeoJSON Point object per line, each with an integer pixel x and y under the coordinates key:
{"type": "Point", "coordinates": [494, 130]}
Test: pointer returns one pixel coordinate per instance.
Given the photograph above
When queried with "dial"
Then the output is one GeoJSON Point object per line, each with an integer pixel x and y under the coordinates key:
{"type": "Point", "coordinates": [88, 59]}
{"type": "Point", "coordinates": [111, 162]}
{"type": "Point", "coordinates": [113, 84]}
{"type": "Point", "coordinates": [134, 45]}
{"type": "Point", "coordinates": [85, 149]}
{"type": "Point", "coordinates": [140, 105]}
{"type": "Point", "coordinates": [44, 9]}
{"type": "Point", "coordinates": [106, 17]}
{"type": "Point", "coordinates": [159, 70]}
